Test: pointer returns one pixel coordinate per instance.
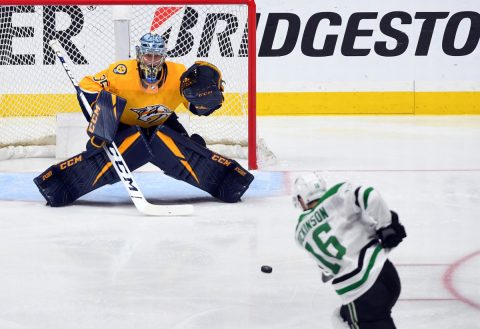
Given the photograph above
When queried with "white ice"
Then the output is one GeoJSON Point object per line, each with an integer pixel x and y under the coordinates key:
{"type": "Point", "coordinates": [100, 264]}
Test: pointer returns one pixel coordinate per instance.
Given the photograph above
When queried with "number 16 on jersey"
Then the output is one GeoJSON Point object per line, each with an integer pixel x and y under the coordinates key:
{"type": "Point", "coordinates": [328, 248]}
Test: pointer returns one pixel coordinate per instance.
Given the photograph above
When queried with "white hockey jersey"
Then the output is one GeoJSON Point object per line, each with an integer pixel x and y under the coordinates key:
{"type": "Point", "coordinates": [340, 233]}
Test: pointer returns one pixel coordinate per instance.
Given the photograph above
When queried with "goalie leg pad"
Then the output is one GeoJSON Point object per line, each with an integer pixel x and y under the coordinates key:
{"type": "Point", "coordinates": [63, 183]}
{"type": "Point", "coordinates": [181, 158]}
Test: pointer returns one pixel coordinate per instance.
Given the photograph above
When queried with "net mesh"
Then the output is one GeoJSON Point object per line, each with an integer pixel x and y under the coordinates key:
{"type": "Point", "coordinates": [217, 34]}
{"type": "Point", "coordinates": [34, 88]}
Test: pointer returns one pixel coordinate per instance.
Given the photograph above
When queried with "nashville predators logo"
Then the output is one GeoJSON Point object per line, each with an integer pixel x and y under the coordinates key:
{"type": "Point", "coordinates": [120, 69]}
{"type": "Point", "coordinates": [152, 113]}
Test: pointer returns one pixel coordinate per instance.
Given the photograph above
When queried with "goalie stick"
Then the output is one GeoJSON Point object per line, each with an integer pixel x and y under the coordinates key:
{"type": "Point", "coordinates": [118, 162]}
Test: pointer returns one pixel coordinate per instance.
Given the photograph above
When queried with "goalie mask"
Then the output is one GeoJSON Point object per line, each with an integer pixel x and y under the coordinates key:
{"type": "Point", "coordinates": [151, 55]}
{"type": "Point", "coordinates": [308, 188]}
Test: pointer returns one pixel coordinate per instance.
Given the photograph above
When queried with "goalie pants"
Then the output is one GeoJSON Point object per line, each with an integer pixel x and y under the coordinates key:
{"type": "Point", "coordinates": [373, 309]}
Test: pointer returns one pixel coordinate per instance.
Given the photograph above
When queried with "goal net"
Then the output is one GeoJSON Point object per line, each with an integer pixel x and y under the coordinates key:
{"type": "Point", "coordinates": [34, 88]}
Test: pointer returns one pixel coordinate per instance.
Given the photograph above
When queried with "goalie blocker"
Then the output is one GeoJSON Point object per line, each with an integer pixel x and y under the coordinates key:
{"type": "Point", "coordinates": [103, 124]}
{"type": "Point", "coordinates": [177, 155]}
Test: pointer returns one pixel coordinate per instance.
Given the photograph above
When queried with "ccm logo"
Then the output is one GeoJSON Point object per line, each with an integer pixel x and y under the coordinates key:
{"type": "Point", "coordinates": [221, 160]}
{"type": "Point", "coordinates": [240, 171]}
{"type": "Point", "coordinates": [70, 162]}
{"type": "Point", "coordinates": [47, 175]}
{"type": "Point", "coordinates": [93, 120]}
{"type": "Point", "coordinates": [205, 93]}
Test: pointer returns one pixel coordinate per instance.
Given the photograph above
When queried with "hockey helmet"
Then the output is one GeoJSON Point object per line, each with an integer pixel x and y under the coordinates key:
{"type": "Point", "coordinates": [308, 188]}
{"type": "Point", "coordinates": [151, 53]}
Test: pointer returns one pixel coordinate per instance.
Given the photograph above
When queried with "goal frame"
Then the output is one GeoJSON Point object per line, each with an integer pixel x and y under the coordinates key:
{"type": "Point", "coordinates": [252, 54]}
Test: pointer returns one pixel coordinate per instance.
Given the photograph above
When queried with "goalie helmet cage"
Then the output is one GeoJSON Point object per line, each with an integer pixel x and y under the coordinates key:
{"type": "Point", "coordinates": [224, 35]}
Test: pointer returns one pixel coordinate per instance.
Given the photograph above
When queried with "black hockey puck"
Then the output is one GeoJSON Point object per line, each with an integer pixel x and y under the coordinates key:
{"type": "Point", "coordinates": [266, 269]}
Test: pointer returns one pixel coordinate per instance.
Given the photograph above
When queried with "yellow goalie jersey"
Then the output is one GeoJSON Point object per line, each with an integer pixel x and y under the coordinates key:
{"type": "Point", "coordinates": [147, 106]}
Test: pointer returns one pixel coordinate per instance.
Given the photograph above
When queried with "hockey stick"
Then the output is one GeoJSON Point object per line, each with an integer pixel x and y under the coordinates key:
{"type": "Point", "coordinates": [119, 164]}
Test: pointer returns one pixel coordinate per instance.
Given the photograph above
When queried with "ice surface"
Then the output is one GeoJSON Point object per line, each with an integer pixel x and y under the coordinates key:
{"type": "Point", "coordinates": [100, 264]}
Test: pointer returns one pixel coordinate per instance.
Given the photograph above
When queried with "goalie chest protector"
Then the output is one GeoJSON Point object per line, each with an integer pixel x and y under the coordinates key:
{"type": "Point", "coordinates": [144, 108]}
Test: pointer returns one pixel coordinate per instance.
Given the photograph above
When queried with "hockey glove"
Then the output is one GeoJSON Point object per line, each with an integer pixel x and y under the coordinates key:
{"type": "Point", "coordinates": [105, 118]}
{"type": "Point", "coordinates": [201, 85]}
{"type": "Point", "coordinates": [393, 234]}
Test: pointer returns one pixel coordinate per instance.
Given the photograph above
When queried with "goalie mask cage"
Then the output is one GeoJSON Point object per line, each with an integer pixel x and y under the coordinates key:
{"type": "Point", "coordinates": [94, 34]}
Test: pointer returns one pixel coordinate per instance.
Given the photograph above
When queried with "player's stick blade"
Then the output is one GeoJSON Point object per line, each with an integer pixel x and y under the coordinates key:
{"type": "Point", "coordinates": [167, 210]}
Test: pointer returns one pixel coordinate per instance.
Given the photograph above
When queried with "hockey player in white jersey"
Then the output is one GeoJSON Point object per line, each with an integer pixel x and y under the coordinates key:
{"type": "Point", "coordinates": [349, 230]}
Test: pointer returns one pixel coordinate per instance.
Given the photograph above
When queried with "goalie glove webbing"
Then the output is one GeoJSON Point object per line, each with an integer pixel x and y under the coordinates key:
{"type": "Point", "coordinates": [201, 85]}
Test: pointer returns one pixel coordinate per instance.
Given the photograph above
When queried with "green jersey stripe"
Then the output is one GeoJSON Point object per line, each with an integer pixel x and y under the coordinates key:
{"type": "Point", "coordinates": [365, 196]}
{"type": "Point", "coordinates": [365, 275]}
{"type": "Point", "coordinates": [360, 265]}
{"type": "Point", "coordinates": [327, 194]}
{"type": "Point", "coordinates": [353, 315]}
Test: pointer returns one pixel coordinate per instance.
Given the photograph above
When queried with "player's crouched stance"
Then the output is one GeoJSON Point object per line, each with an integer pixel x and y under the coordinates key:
{"type": "Point", "coordinates": [133, 104]}
{"type": "Point", "coordinates": [349, 230]}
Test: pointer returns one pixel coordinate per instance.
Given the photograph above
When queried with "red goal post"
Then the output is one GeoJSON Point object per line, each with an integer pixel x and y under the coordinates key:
{"type": "Point", "coordinates": [251, 42]}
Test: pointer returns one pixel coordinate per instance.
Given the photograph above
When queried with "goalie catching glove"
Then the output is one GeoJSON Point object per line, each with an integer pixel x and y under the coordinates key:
{"type": "Point", "coordinates": [201, 85]}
